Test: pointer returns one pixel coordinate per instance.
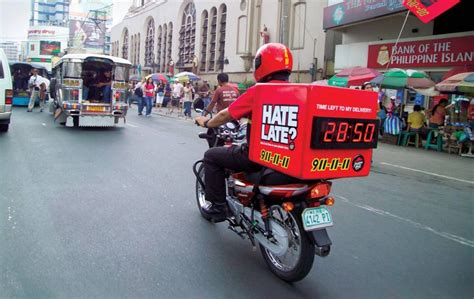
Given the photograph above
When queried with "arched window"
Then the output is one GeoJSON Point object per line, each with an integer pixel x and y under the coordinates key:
{"type": "Point", "coordinates": [165, 44]}
{"type": "Point", "coordinates": [158, 50]}
{"type": "Point", "coordinates": [138, 48]}
{"type": "Point", "coordinates": [150, 43]}
{"type": "Point", "coordinates": [212, 42]}
{"type": "Point", "coordinates": [204, 31]}
{"type": "Point", "coordinates": [222, 27]}
{"type": "Point", "coordinates": [170, 43]}
{"type": "Point", "coordinates": [125, 44]}
{"type": "Point", "coordinates": [132, 49]}
{"type": "Point", "coordinates": [187, 35]}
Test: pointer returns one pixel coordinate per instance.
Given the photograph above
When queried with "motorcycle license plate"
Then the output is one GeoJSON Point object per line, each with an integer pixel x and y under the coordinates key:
{"type": "Point", "coordinates": [316, 218]}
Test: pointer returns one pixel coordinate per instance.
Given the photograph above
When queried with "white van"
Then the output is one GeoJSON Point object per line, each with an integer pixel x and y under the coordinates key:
{"type": "Point", "coordinates": [6, 92]}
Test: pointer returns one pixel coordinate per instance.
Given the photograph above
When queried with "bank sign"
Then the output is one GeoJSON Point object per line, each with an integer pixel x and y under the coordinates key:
{"type": "Point", "coordinates": [446, 52]}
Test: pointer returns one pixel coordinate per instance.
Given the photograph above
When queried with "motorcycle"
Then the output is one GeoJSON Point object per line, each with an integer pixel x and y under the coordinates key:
{"type": "Point", "coordinates": [285, 216]}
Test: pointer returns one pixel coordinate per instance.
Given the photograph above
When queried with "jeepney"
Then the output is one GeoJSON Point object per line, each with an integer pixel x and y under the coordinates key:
{"type": "Point", "coordinates": [21, 73]}
{"type": "Point", "coordinates": [89, 90]}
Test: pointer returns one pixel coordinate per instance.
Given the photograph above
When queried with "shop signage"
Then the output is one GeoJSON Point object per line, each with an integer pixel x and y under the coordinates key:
{"type": "Point", "coordinates": [351, 11]}
{"type": "Point", "coordinates": [446, 52]}
{"type": "Point", "coordinates": [47, 60]}
{"type": "Point", "coordinates": [427, 10]}
{"type": "Point", "coordinates": [41, 32]}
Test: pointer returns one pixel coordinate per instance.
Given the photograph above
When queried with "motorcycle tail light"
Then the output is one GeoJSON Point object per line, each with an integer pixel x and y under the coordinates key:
{"type": "Point", "coordinates": [320, 190]}
{"type": "Point", "coordinates": [288, 206]}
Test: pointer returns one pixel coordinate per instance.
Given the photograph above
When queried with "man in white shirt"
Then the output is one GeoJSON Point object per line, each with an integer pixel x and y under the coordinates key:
{"type": "Point", "coordinates": [178, 90]}
{"type": "Point", "coordinates": [37, 86]}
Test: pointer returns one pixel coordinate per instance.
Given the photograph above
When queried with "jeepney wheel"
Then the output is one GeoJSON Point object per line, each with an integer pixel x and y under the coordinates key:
{"type": "Point", "coordinates": [75, 121]}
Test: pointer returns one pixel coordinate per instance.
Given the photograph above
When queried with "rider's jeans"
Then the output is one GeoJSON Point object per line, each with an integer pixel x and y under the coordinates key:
{"type": "Point", "coordinates": [216, 160]}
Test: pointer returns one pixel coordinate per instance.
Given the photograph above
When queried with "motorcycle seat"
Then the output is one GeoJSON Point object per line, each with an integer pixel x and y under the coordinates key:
{"type": "Point", "coordinates": [270, 177]}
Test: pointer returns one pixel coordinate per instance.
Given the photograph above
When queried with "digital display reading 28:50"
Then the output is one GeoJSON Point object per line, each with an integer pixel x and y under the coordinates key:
{"type": "Point", "coordinates": [340, 133]}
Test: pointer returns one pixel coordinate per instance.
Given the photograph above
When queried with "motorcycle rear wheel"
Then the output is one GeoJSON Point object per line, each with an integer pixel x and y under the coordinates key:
{"type": "Point", "coordinates": [296, 263]}
{"type": "Point", "coordinates": [200, 194]}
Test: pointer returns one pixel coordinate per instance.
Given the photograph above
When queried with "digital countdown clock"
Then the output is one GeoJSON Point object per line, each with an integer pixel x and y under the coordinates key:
{"type": "Point", "coordinates": [344, 133]}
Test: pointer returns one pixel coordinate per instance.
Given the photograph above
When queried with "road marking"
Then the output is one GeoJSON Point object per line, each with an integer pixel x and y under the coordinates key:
{"type": "Point", "coordinates": [429, 173]}
{"type": "Point", "coordinates": [44, 125]}
{"type": "Point", "coordinates": [445, 235]}
{"type": "Point", "coordinates": [131, 125]}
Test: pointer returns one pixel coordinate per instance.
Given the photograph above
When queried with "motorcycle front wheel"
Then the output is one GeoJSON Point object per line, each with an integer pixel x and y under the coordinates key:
{"type": "Point", "coordinates": [200, 194]}
{"type": "Point", "coordinates": [297, 261]}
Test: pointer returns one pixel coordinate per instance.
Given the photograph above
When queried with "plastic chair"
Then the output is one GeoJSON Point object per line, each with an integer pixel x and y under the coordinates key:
{"type": "Point", "coordinates": [439, 141]}
{"type": "Point", "coordinates": [404, 137]}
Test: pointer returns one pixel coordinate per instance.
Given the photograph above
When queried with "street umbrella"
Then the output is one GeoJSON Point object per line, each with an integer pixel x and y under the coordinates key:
{"type": "Point", "coordinates": [457, 70]}
{"type": "Point", "coordinates": [460, 83]}
{"type": "Point", "coordinates": [354, 76]}
{"type": "Point", "coordinates": [186, 76]}
{"type": "Point", "coordinates": [158, 77]}
{"type": "Point", "coordinates": [135, 78]}
{"type": "Point", "coordinates": [399, 78]}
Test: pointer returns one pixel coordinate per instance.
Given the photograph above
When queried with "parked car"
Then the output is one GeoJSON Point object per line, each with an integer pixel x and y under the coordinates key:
{"type": "Point", "coordinates": [6, 93]}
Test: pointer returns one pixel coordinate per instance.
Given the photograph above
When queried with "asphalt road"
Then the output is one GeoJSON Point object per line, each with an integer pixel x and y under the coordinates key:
{"type": "Point", "coordinates": [111, 213]}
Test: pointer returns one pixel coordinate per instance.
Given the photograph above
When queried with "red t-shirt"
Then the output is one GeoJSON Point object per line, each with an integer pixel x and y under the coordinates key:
{"type": "Point", "coordinates": [149, 90]}
{"type": "Point", "coordinates": [244, 104]}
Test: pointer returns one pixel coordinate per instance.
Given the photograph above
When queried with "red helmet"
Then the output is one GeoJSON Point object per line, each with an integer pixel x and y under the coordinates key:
{"type": "Point", "coordinates": [272, 58]}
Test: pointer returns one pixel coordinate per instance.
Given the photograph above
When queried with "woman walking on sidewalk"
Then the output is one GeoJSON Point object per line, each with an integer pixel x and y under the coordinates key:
{"type": "Point", "coordinates": [149, 94]}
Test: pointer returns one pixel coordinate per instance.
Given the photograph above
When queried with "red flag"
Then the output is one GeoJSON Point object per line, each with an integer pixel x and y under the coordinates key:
{"type": "Point", "coordinates": [427, 10]}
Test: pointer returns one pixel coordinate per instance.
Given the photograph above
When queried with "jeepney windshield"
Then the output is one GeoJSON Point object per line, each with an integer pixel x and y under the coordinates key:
{"type": "Point", "coordinates": [72, 69]}
{"type": "Point", "coordinates": [122, 72]}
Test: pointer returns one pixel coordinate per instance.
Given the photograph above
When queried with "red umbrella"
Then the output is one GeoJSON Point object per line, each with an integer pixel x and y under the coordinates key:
{"type": "Point", "coordinates": [457, 70]}
{"type": "Point", "coordinates": [354, 76]}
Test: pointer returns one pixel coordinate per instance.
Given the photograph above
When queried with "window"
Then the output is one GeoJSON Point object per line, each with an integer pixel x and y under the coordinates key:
{"type": "Point", "coordinates": [165, 44]}
{"type": "Point", "coordinates": [222, 27]}
{"type": "Point", "coordinates": [242, 35]}
{"type": "Point", "coordinates": [2, 74]}
{"type": "Point", "coordinates": [149, 43]}
{"type": "Point", "coordinates": [138, 48]}
{"type": "Point", "coordinates": [187, 35]}
{"type": "Point", "coordinates": [125, 44]}
{"type": "Point", "coordinates": [204, 26]}
{"type": "Point", "coordinates": [170, 42]}
{"type": "Point", "coordinates": [158, 49]}
{"type": "Point", "coordinates": [212, 42]}
{"type": "Point", "coordinates": [299, 25]}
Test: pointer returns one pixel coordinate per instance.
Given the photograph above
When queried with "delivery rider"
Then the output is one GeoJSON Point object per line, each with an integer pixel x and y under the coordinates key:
{"type": "Point", "coordinates": [273, 64]}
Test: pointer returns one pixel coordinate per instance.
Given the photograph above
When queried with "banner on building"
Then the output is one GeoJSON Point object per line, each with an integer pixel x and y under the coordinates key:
{"type": "Point", "coordinates": [87, 35]}
{"type": "Point", "coordinates": [427, 10]}
{"type": "Point", "coordinates": [351, 11]}
{"type": "Point", "coordinates": [446, 52]}
{"type": "Point", "coordinates": [50, 48]}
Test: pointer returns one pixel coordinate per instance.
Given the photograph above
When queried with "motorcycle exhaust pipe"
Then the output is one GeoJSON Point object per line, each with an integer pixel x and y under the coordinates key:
{"type": "Point", "coordinates": [323, 251]}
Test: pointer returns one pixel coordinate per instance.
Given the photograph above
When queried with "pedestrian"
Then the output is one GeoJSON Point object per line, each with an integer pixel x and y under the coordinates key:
{"type": "Point", "coordinates": [438, 114]}
{"type": "Point", "coordinates": [176, 96]}
{"type": "Point", "coordinates": [149, 89]}
{"type": "Point", "coordinates": [159, 94]}
{"type": "Point", "coordinates": [223, 96]}
{"type": "Point", "coordinates": [34, 85]}
{"type": "Point", "coordinates": [167, 97]}
{"type": "Point", "coordinates": [416, 120]}
{"type": "Point", "coordinates": [188, 99]}
{"type": "Point", "coordinates": [139, 96]}
{"type": "Point", "coordinates": [204, 93]}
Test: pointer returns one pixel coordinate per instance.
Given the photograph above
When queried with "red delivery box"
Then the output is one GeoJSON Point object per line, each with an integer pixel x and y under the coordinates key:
{"type": "Point", "coordinates": [314, 132]}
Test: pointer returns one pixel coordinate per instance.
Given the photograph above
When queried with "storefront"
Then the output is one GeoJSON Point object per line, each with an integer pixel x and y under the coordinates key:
{"type": "Point", "coordinates": [46, 42]}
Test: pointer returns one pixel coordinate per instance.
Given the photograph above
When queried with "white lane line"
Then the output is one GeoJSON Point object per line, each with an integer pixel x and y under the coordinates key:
{"type": "Point", "coordinates": [131, 125]}
{"type": "Point", "coordinates": [445, 235]}
{"type": "Point", "coordinates": [429, 173]}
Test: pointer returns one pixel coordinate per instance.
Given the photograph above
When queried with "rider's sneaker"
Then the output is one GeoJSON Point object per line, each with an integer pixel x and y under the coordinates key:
{"type": "Point", "coordinates": [218, 212]}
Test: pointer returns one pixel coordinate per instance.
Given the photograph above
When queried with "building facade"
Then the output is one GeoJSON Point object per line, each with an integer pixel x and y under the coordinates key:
{"type": "Point", "coordinates": [366, 32]}
{"type": "Point", "coordinates": [213, 36]}
{"type": "Point", "coordinates": [11, 50]}
{"type": "Point", "coordinates": [49, 13]}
